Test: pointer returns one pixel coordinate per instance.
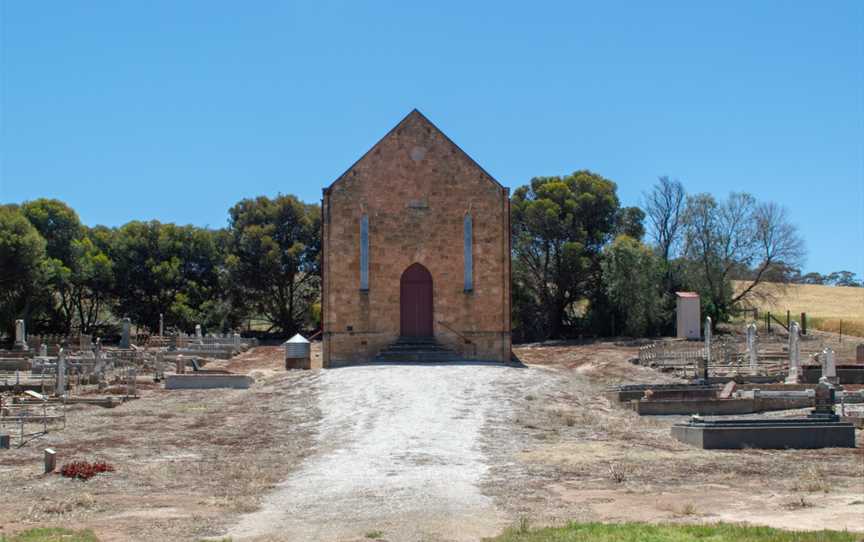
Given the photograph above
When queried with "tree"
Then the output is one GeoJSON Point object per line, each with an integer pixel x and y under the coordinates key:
{"type": "Point", "coordinates": [630, 222]}
{"type": "Point", "coordinates": [740, 233]}
{"type": "Point", "coordinates": [842, 278]}
{"type": "Point", "coordinates": [22, 254]}
{"type": "Point", "coordinates": [165, 269]}
{"type": "Point", "coordinates": [664, 206]}
{"type": "Point", "coordinates": [273, 259]}
{"type": "Point", "coordinates": [57, 223]}
{"type": "Point", "coordinates": [632, 277]}
{"type": "Point", "coordinates": [559, 227]}
{"type": "Point", "coordinates": [813, 278]}
{"type": "Point", "coordinates": [60, 226]}
{"type": "Point", "coordinates": [92, 280]}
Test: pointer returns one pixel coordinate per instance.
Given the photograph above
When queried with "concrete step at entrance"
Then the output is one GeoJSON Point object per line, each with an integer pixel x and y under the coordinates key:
{"type": "Point", "coordinates": [417, 349]}
{"type": "Point", "coordinates": [432, 357]}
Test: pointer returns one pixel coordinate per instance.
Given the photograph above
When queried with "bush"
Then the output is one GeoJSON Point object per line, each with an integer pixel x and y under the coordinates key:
{"type": "Point", "coordinates": [84, 469]}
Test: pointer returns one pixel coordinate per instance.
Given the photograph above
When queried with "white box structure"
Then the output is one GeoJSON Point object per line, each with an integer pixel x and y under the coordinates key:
{"type": "Point", "coordinates": [687, 315]}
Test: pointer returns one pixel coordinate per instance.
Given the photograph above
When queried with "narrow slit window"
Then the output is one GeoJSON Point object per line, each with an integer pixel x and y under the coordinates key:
{"type": "Point", "coordinates": [469, 253]}
{"type": "Point", "coordinates": [364, 252]}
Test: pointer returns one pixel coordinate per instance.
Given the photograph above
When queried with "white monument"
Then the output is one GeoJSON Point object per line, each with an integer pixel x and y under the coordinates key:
{"type": "Point", "coordinates": [829, 369]}
{"type": "Point", "coordinates": [20, 336]}
{"type": "Point", "coordinates": [752, 347]}
{"type": "Point", "coordinates": [124, 337]}
{"type": "Point", "coordinates": [705, 362]}
{"type": "Point", "coordinates": [61, 372]}
{"type": "Point", "coordinates": [794, 355]}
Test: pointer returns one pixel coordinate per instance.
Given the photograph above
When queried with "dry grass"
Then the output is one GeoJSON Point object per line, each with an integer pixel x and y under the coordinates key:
{"type": "Point", "coordinates": [187, 462]}
{"type": "Point", "coordinates": [826, 306]}
{"type": "Point", "coordinates": [813, 480]}
{"type": "Point", "coordinates": [846, 326]}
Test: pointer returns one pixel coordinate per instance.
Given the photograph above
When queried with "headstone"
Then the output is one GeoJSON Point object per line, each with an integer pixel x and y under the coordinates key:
{"type": "Point", "coordinates": [50, 460]}
{"type": "Point", "coordinates": [61, 373]}
{"type": "Point", "coordinates": [752, 347]}
{"type": "Point", "coordinates": [703, 369]}
{"type": "Point", "coordinates": [829, 369]}
{"type": "Point", "coordinates": [97, 348]}
{"type": "Point", "coordinates": [84, 342]}
{"type": "Point", "coordinates": [4, 441]}
{"type": "Point", "coordinates": [172, 344]}
{"type": "Point", "coordinates": [859, 353]}
{"type": "Point", "coordinates": [20, 336]}
{"type": "Point", "coordinates": [236, 340]}
{"type": "Point", "coordinates": [180, 365]}
{"type": "Point", "coordinates": [825, 400]}
{"type": "Point", "coordinates": [197, 331]}
{"type": "Point", "coordinates": [124, 337]}
{"type": "Point", "coordinates": [728, 390]}
{"type": "Point", "coordinates": [161, 324]}
{"type": "Point", "coordinates": [794, 355]}
{"type": "Point", "coordinates": [43, 350]}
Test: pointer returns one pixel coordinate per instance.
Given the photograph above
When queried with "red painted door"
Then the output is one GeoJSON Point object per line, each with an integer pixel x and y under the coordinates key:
{"type": "Point", "coordinates": [415, 302]}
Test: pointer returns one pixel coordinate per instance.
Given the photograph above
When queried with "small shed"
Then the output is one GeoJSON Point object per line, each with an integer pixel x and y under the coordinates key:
{"type": "Point", "coordinates": [688, 316]}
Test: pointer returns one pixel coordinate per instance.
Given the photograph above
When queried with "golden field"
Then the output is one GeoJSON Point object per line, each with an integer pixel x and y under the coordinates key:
{"type": "Point", "coordinates": [826, 306]}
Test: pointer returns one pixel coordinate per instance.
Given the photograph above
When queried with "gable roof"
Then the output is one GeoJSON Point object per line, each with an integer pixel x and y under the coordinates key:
{"type": "Point", "coordinates": [415, 113]}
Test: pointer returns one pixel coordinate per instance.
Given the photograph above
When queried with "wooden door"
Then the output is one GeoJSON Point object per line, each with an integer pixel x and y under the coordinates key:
{"type": "Point", "coordinates": [415, 302]}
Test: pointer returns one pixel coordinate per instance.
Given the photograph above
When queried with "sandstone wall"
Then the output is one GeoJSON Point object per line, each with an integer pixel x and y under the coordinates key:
{"type": "Point", "coordinates": [415, 186]}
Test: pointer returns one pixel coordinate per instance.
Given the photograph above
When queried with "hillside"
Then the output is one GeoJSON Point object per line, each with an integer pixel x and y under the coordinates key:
{"type": "Point", "coordinates": [826, 306]}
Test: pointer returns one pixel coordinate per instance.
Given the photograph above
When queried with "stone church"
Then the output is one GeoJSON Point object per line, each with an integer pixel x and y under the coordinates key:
{"type": "Point", "coordinates": [416, 254]}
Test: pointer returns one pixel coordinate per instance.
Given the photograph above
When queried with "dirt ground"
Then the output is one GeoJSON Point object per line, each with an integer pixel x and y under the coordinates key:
{"type": "Point", "coordinates": [410, 453]}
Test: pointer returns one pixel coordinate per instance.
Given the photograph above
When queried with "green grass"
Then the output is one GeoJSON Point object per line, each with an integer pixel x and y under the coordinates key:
{"type": "Point", "coordinates": [51, 535]}
{"type": "Point", "coordinates": [643, 532]}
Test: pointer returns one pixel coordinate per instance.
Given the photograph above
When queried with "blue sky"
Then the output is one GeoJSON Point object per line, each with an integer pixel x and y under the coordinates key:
{"type": "Point", "coordinates": [177, 110]}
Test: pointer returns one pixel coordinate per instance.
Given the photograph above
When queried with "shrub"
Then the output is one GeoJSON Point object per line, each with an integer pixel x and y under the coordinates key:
{"type": "Point", "coordinates": [84, 469]}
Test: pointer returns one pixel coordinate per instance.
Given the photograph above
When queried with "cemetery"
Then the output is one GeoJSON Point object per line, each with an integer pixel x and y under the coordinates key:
{"type": "Point", "coordinates": [606, 416]}
{"type": "Point", "coordinates": [41, 375]}
{"type": "Point", "coordinates": [404, 408]}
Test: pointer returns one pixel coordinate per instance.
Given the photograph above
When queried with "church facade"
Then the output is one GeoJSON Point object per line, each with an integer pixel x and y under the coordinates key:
{"type": "Point", "coordinates": [416, 246]}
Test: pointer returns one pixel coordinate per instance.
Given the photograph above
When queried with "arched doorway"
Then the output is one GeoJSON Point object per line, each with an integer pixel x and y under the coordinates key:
{"type": "Point", "coordinates": [415, 302]}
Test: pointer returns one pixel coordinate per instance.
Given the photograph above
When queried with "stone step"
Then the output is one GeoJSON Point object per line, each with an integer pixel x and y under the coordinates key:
{"type": "Point", "coordinates": [417, 349]}
{"type": "Point", "coordinates": [412, 347]}
{"type": "Point", "coordinates": [416, 340]}
{"type": "Point", "coordinates": [432, 357]}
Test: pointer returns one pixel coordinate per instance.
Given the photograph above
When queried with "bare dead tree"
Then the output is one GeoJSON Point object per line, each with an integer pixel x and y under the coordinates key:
{"type": "Point", "coordinates": [664, 205]}
{"type": "Point", "coordinates": [775, 240]}
{"type": "Point", "coordinates": [738, 234]}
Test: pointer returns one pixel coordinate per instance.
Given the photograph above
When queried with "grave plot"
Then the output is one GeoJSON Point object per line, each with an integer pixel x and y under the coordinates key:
{"type": "Point", "coordinates": [775, 372]}
{"type": "Point", "coordinates": [43, 374]}
{"type": "Point", "coordinates": [822, 428]}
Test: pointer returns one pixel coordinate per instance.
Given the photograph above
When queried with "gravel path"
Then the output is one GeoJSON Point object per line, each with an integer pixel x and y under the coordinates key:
{"type": "Point", "coordinates": [399, 451]}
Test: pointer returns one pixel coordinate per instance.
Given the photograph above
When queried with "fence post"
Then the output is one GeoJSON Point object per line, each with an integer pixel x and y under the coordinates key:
{"type": "Point", "coordinates": [768, 321]}
{"type": "Point", "coordinates": [803, 323]}
{"type": "Point", "coordinates": [788, 318]}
